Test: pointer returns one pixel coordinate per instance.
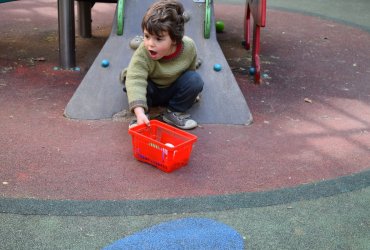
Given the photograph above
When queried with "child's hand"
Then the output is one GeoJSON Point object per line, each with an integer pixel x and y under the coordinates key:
{"type": "Point", "coordinates": [141, 117]}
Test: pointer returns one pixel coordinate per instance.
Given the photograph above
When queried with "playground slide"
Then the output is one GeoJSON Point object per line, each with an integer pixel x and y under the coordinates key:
{"type": "Point", "coordinates": [100, 95]}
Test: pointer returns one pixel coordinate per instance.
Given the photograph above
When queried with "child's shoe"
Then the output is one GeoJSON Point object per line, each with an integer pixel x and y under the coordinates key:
{"type": "Point", "coordinates": [180, 120]}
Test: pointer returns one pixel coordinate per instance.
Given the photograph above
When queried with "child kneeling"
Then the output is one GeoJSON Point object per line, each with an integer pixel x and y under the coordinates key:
{"type": "Point", "coordinates": [162, 69]}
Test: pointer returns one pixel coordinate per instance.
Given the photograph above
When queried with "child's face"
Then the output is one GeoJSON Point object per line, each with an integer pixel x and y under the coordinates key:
{"type": "Point", "coordinates": [159, 46]}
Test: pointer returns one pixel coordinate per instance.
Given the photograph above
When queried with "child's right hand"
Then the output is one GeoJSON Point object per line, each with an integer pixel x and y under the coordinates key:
{"type": "Point", "coordinates": [141, 116]}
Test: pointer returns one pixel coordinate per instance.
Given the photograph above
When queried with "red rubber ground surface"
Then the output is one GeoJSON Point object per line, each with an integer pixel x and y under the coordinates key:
{"type": "Point", "coordinates": [311, 115]}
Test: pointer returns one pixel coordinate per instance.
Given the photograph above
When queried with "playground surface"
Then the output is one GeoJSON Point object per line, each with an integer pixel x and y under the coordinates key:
{"type": "Point", "coordinates": [296, 178]}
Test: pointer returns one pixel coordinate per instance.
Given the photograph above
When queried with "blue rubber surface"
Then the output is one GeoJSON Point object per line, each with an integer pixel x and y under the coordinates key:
{"type": "Point", "coordinates": [186, 233]}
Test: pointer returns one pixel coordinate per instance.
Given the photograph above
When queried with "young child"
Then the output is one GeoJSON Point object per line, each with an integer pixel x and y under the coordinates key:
{"type": "Point", "coordinates": [162, 69]}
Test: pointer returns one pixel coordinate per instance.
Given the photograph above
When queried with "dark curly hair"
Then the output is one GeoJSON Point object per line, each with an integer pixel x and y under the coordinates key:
{"type": "Point", "coordinates": [165, 15]}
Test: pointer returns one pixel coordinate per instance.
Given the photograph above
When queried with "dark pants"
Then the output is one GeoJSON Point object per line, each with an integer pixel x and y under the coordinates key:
{"type": "Point", "coordinates": [180, 96]}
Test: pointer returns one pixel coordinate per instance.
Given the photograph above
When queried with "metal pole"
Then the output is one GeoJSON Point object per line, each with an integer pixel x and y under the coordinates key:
{"type": "Point", "coordinates": [84, 18]}
{"type": "Point", "coordinates": [66, 27]}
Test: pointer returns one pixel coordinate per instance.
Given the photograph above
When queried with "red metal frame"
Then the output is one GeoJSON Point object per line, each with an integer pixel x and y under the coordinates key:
{"type": "Point", "coordinates": [258, 10]}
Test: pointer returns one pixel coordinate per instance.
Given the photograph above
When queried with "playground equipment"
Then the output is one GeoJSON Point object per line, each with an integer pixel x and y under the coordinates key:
{"type": "Point", "coordinates": [258, 10]}
{"type": "Point", "coordinates": [100, 95]}
{"type": "Point", "coordinates": [120, 16]}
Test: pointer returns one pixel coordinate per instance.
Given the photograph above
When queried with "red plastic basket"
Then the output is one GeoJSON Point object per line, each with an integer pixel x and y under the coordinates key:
{"type": "Point", "coordinates": [153, 145]}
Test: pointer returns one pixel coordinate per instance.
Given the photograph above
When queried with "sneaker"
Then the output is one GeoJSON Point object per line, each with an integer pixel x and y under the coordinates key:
{"type": "Point", "coordinates": [133, 123]}
{"type": "Point", "coordinates": [180, 120]}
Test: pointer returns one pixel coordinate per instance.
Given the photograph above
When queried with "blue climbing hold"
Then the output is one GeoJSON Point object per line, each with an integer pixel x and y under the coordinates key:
{"type": "Point", "coordinates": [217, 67]}
{"type": "Point", "coordinates": [104, 63]}
{"type": "Point", "coordinates": [252, 71]}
